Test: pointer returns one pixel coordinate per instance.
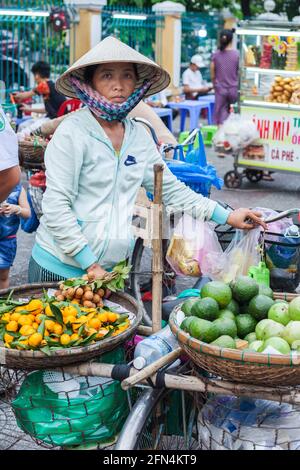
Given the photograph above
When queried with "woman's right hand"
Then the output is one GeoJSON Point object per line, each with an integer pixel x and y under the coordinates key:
{"type": "Point", "coordinates": [96, 271]}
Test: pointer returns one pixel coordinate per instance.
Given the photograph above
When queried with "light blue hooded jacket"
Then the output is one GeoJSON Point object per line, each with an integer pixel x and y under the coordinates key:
{"type": "Point", "coordinates": [91, 192]}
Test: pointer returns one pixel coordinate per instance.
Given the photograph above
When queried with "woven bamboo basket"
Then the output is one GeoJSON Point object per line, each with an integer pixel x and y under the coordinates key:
{"type": "Point", "coordinates": [30, 360]}
{"type": "Point", "coordinates": [31, 152]}
{"type": "Point", "coordinates": [239, 366]}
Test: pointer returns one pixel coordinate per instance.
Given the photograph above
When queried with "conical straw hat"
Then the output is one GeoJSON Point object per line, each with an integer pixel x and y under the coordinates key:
{"type": "Point", "coordinates": [113, 50]}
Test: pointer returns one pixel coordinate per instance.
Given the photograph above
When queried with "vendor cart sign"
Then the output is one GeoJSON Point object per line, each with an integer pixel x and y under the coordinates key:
{"type": "Point", "coordinates": [279, 143]}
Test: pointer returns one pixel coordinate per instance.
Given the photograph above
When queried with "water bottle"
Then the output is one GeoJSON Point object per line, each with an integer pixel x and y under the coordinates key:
{"type": "Point", "coordinates": [154, 347]}
{"type": "Point", "coordinates": [285, 256]}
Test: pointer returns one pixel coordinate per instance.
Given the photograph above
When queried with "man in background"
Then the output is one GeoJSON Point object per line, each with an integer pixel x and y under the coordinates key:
{"type": "Point", "coordinates": [193, 85]}
{"type": "Point", "coordinates": [45, 87]}
{"type": "Point", "coordinates": [52, 99]}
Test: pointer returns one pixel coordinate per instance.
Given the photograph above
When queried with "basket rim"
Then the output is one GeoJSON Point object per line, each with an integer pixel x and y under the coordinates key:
{"type": "Point", "coordinates": [64, 352]}
{"type": "Point", "coordinates": [33, 142]}
{"type": "Point", "coordinates": [233, 355]}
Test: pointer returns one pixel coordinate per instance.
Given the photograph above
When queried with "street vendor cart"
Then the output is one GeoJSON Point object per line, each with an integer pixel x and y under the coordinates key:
{"type": "Point", "coordinates": [269, 95]}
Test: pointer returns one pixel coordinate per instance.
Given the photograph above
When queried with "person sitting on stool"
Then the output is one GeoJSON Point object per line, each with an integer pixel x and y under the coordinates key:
{"type": "Point", "coordinates": [193, 84]}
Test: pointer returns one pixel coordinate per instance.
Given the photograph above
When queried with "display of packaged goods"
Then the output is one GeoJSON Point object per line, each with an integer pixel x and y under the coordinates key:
{"type": "Point", "coordinates": [252, 56]}
{"type": "Point", "coordinates": [266, 57]}
{"type": "Point", "coordinates": [291, 57]}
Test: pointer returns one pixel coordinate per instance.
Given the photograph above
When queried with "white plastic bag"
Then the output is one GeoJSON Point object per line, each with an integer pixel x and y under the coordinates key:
{"type": "Point", "coordinates": [236, 260]}
{"type": "Point", "coordinates": [237, 132]}
{"type": "Point", "coordinates": [232, 423]}
{"type": "Point", "coordinates": [191, 242]}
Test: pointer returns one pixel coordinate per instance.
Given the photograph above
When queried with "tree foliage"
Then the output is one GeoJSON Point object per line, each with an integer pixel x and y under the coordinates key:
{"type": "Point", "coordinates": [241, 8]}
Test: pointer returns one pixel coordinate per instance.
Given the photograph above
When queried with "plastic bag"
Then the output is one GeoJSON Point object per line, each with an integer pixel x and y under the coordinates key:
{"type": "Point", "coordinates": [231, 423]}
{"type": "Point", "coordinates": [278, 228]}
{"type": "Point", "coordinates": [66, 410]}
{"type": "Point", "coordinates": [191, 241]}
{"type": "Point", "coordinates": [241, 253]}
{"type": "Point", "coordinates": [237, 132]}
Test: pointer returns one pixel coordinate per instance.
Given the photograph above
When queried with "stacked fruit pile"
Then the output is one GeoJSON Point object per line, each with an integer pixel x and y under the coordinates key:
{"type": "Point", "coordinates": [45, 325]}
{"type": "Point", "coordinates": [243, 315]}
{"type": "Point", "coordinates": [74, 316]}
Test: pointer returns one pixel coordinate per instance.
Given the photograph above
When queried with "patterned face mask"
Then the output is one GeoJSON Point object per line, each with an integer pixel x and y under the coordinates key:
{"type": "Point", "coordinates": [103, 108]}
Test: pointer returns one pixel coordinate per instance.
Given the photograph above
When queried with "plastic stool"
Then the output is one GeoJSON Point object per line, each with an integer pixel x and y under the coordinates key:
{"type": "Point", "coordinates": [195, 113]}
{"type": "Point", "coordinates": [208, 133]}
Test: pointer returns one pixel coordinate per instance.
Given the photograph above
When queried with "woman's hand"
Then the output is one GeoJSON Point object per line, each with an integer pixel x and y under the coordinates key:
{"type": "Point", "coordinates": [245, 219]}
{"type": "Point", "coordinates": [95, 271]}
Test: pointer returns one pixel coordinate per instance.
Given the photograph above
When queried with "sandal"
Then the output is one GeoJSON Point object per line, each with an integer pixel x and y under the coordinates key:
{"type": "Point", "coordinates": [267, 177]}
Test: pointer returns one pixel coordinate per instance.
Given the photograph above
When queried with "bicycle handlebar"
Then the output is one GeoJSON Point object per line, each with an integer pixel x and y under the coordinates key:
{"type": "Point", "coordinates": [167, 147]}
{"type": "Point", "coordinates": [281, 215]}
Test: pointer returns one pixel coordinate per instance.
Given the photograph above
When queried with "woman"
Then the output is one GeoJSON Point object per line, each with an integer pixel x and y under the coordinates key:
{"type": "Point", "coordinates": [224, 75]}
{"type": "Point", "coordinates": [96, 163]}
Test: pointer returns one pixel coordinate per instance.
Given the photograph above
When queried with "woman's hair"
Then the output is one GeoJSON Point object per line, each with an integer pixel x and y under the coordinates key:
{"type": "Point", "coordinates": [91, 69]}
{"type": "Point", "coordinates": [226, 37]}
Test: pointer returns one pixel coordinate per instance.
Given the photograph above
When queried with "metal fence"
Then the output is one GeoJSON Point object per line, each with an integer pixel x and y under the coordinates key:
{"type": "Point", "coordinates": [199, 36]}
{"type": "Point", "coordinates": [26, 39]}
{"type": "Point", "coordinates": [139, 28]}
{"type": "Point", "coordinates": [142, 29]}
{"type": "Point", "coordinates": [36, 4]}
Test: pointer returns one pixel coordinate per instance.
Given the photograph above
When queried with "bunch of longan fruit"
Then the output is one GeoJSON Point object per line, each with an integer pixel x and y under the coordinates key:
{"type": "Point", "coordinates": [87, 295]}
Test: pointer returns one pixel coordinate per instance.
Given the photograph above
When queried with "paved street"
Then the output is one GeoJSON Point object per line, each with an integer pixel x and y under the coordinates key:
{"type": "Point", "coordinates": [281, 194]}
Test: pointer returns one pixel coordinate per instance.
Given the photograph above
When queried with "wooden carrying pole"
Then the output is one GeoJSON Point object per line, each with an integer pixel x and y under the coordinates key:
{"type": "Point", "coordinates": [193, 384]}
{"type": "Point", "coordinates": [157, 265]}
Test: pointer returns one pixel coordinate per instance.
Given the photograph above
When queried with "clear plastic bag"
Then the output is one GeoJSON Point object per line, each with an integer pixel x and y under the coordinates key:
{"type": "Point", "coordinates": [275, 229]}
{"type": "Point", "coordinates": [191, 242]}
{"type": "Point", "coordinates": [237, 132]}
{"type": "Point", "coordinates": [232, 423]}
{"type": "Point", "coordinates": [242, 252]}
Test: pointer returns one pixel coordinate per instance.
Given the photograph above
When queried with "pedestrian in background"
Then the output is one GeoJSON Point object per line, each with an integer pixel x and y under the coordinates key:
{"type": "Point", "coordinates": [45, 87]}
{"type": "Point", "coordinates": [224, 71]}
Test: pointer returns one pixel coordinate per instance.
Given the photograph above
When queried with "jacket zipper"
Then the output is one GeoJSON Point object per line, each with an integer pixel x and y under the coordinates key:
{"type": "Point", "coordinates": [111, 212]}
{"type": "Point", "coordinates": [119, 158]}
